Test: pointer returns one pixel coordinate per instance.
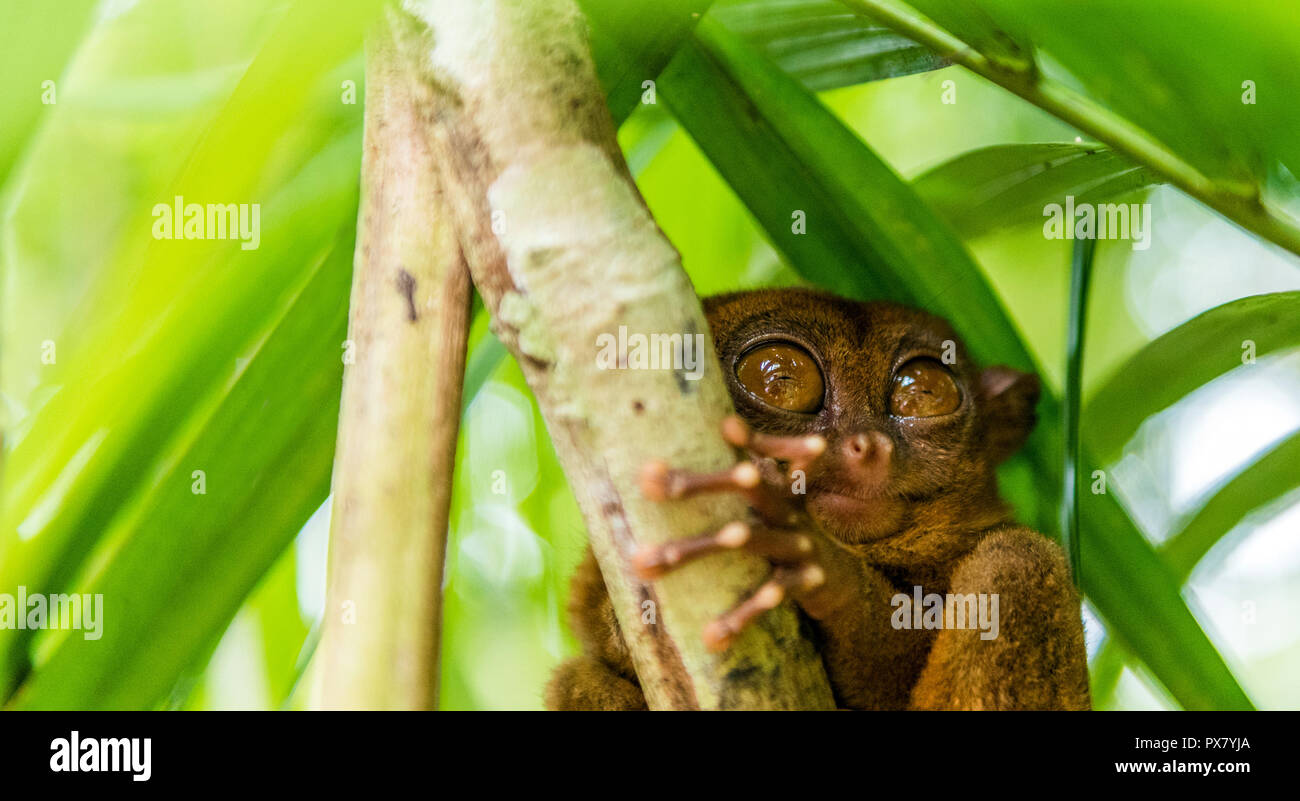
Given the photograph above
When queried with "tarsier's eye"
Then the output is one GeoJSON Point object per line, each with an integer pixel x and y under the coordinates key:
{"type": "Point", "coordinates": [783, 375]}
{"type": "Point", "coordinates": [923, 388]}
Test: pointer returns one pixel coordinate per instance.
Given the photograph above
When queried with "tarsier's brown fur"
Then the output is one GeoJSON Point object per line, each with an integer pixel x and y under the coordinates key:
{"type": "Point", "coordinates": [930, 516]}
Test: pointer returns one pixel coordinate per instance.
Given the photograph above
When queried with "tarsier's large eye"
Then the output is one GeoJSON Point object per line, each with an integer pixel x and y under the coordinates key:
{"type": "Point", "coordinates": [782, 375]}
{"type": "Point", "coordinates": [923, 388]}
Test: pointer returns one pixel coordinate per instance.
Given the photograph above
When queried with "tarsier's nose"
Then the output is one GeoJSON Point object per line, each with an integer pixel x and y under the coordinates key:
{"type": "Point", "coordinates": [868, 448]}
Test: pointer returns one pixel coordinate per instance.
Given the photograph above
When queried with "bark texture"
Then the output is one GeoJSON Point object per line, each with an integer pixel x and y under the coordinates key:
{"type": "Point", "coordinates": [562, 249]}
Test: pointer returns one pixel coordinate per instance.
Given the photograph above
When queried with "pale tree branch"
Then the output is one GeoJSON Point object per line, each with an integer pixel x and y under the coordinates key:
{"type": "Point", "coordinates": [409, 319]}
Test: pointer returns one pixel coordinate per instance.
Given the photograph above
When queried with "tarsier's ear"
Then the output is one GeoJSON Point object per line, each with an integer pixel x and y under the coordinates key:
{"type": "Point", "coordinates": [1006, 399]}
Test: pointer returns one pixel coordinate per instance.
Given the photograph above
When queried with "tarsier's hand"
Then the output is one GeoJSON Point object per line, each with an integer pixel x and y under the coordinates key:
{"type": "Point", "coordinates": [808, 566]}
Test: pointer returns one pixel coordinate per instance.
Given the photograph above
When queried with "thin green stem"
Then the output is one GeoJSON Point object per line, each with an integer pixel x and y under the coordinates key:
{"type": "Point", "coordinates": [1072, 397]}
{"type": "Point", "coordinates": [1240, 203]}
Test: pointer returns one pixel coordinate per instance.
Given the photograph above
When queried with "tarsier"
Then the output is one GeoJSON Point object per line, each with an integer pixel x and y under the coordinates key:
{"type": "Point", "coordinates": [877, 410]}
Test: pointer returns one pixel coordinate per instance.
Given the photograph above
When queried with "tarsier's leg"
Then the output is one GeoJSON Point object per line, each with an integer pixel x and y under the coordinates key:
{"type": "Point", "coordinates": [602, 678]}
{"type": "Point", "coordinates": [1037, 660]}
{"type": "Point", "coordinates": [585, 684]}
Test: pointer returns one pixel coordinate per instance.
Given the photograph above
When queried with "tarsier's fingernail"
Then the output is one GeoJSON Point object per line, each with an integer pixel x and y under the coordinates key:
{"type": "Point", "coordinates": [769, 596]}
{"type": "Point", "coordinates": [733, 535]}
{"type": "Point", "coordinates": [806, 448]}
{"type": "Point", "coordinates": [735, 431]}
{"type": "Point", "coordinates": [654, 481]}
{"type": "Point", "coordinates": [646, 562]}
{"type": "Point", "coordinates": [746, 475]}
{"type": "Point", "coordinates": [813, 577]}
{"type": "Point", "coordinates": [717, 636]}
{"type": "Point", "coordinates": [804, 543]}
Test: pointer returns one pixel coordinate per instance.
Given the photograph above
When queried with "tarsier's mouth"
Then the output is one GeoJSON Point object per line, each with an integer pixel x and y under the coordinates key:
{"type": "Point", "coordinates": [854, 517]}
{"type": "Point", "coordinates": [829, 483]}
{"type": "Point", "coordinates": [855, 503]}
{"type": "Point", "coordinates": [834, 511]}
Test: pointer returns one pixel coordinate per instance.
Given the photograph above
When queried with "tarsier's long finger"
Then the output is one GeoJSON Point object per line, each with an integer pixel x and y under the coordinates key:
{"type": "Point", "coordinates": [653, 561]}
{"type": "Point", "coordinates": [659, 482]}
{"type": "Point", "coordinates": [719, 634]}
{"type": "Point", "coordinates": [799, 452]}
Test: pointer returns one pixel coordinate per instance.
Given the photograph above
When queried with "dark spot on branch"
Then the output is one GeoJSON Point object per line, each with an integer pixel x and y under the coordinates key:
{"type": "Point", "coordinates": [685, 385]}
{"type": "Point", "coordinates": [739, 683]}
{"type": "Point", "coordinates": [406, 288]}
{"type": "Point", "coordinates": [742, 671]}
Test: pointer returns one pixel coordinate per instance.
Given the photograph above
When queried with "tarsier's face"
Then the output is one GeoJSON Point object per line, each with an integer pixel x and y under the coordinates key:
{"type": "Point", "coordinates": [909, 421]}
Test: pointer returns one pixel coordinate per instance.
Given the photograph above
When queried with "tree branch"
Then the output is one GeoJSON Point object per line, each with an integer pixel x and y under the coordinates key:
{"type": "Point", "coordinates": [400, 412]}
{"type": "Point", "coordinates": [562, 249]}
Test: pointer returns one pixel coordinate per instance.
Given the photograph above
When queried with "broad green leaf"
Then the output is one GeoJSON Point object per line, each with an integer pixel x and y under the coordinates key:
{"type": "Point", "coordinates": [632, 42]}
{"type": "Point", "coordinates": [275, 606]}
{"type": "Point", "coordinates": [162, 94]}
{"type": "Point", "coordinates": [1267, 478]}
{"type": "Point", "coordinates": [181, 329]}
{"type": "Point", "coordinates": [1178, 68]}
{"type": "Point", "coordinates": [107, 152]}
{"type": "Point", "coordinates": [37, 41]}
{"type": "Point", "coordinates": [1139, 597]}
{"type": "Point", "coordinates": [995, 187]}
{"type": "Point", "coordinates": [822, 43]}
{"type": "Point", "coordinates": [281, 413]}
{"type": "Point", "coordinates": [769, 177]}
{"type": "Point", "coordinates": [999, 38]}
{"type": "Point", "coordinates": [1179, 361]}
{"type": "Point", "coordinates": [1271, 476]}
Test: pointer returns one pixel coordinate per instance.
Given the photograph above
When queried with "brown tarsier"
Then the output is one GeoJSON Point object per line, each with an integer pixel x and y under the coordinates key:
{"type": "Point", "coordinates": [872, 442]}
